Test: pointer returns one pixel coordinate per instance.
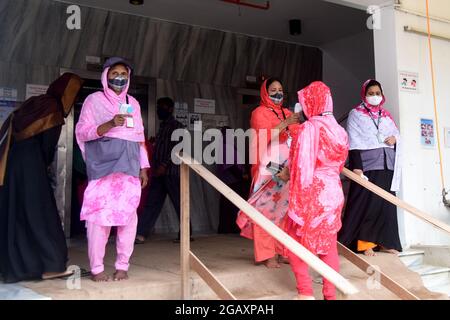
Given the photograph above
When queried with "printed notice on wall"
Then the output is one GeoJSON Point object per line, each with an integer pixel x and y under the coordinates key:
{"type": "Point", "coordinates": [35, 90]}
{"type": "Point", "coordinates": [182, 117]}
{"type": "Point", "coordinates": [181, 106]}
{"type": "Point", "coordinates": [8, 94]}
{"type": "Point", "coordinates": [195, 121]}
{"type": "Point", "coordinates": [205, 106]}
{"type": "Point", "coordinates": [211, 121]}
{"type": "Point", "coordinates": [6, 108]}
{"type": "Point", "coordinates": [427, 132]}
{"type": "Point", "coordinates": [409, 81]}
{"type": "Point", "coordinates": [181, 113]}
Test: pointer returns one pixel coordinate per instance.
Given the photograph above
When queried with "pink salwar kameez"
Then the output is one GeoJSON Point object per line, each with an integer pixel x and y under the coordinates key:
{"type": "Point", "coordinates": [111, 200]}
{"type": "Point", "coordinates": [316, 198]}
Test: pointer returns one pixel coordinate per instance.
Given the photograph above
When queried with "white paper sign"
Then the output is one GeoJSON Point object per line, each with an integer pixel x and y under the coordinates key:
{"type": "Point", "coordinates": [35, 90]}
{"type": "Point", "coordinates": [8, 94]}
{"type": "Point", "coordinates": [222, 121]}
{"type": "Point", "coordinates": [205, 106]}
{"type": "Point", "coordinates": [409, 81]}
{"type": "Point", "coordinates": [214, 121]}
{"type": "Point", "coordinates": [181, 113]}
{"type": "Point", "coordinates": [195, 121]}
{"type": "Point", "coordinates": [182, 117]}
{"type": "Point", "coordinates": [6, 107]}
{"type": "Point", "coordinates": [181, 106]}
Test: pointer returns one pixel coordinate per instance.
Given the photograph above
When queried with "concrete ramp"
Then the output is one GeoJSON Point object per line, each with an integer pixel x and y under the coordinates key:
{"type": "Point", "coordinates": [155, 274]}
{"type": "Point", "coordinates": [391, 265]}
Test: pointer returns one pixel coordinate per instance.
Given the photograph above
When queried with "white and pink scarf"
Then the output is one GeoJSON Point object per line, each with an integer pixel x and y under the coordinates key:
{"type": "Point", "coordinates": [363, 132]}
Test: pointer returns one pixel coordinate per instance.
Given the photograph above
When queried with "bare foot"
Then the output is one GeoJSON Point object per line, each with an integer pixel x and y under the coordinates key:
{"type": "Point", "coordinates": [282, 259]}
{"type": "Point", "coordinates": [393, 251]}
{"type": "Point", "coordinates": [369, 253]}
{"type": "Point", "coordinates": [100, 277]}
{"type": "Point", "coordinates": [272, 263]}
{"type": "Point", "coordinates": [120, 275]}
{"type": "Point", "coordinates": [302, 297]}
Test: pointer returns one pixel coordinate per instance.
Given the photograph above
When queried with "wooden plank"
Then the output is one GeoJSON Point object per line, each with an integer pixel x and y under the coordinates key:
{"type": "Point", "coordinates": [214, 283]}
{"type": "Point", "coordinates": [314, 262]}
{"type": "Point", "coordinates": [396, 201]}
{"type": "Point", "coordinates": [184, 232]}
{"type": "Point", "coordinates": [385, 280]}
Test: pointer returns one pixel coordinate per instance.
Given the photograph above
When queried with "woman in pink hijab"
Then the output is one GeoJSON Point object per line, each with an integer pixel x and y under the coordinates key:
{"type": "Point", "coordinates": [316, 198]}
{"type": "Point", "coordinates": [110, 134]}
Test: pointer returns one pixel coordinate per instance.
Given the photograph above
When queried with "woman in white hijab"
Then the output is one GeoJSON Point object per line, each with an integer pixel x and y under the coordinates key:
{"type": "Point", "coordinates": [370, 222]}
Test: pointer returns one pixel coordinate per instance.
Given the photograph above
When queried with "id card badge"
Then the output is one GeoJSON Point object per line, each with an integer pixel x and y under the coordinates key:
{"type": "Point", "coordinates": [129, 121]}
{"type": "Point", "coordinates": [380, 137]}
{"type": "Point", "coordinates": [127, 109]}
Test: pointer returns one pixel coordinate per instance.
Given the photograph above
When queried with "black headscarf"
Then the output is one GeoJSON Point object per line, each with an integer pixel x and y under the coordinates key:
{"type": "Point", "coordinates": [39, 114]}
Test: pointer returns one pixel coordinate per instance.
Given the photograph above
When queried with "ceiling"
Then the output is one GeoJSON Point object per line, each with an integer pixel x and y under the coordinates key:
{"type": "Point", "coordinates": [322, 21]}
{"type": "Point", "coordinates": [362, 4]}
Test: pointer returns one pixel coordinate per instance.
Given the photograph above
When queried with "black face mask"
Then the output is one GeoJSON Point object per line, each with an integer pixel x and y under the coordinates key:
{"type": "Point", "coordinates": [163, 114]}
{"type": "Point", "coordinates": [277, 98]}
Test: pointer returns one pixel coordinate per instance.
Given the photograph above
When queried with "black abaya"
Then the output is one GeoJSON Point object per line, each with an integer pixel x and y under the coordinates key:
{"type": "Point", "coordinates": [368, 217]}
{"type": "Point", "coordinates": [32, 240]}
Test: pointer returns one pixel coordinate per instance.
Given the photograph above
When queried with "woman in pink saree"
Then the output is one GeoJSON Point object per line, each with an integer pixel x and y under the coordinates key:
{"type": "Point", "coordinates": [316, 198]}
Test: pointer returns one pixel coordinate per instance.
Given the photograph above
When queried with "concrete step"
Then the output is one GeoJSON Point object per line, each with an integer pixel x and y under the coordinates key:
{"type": "Point", "coordinates": [445, 289]}
{"type": "Point", "coordinates": [432, 276]}
{"type": "Point", "coordinates": [18, 292]}
{"type": "Point", "coordinates": [155, 274]}
{"type": "Point", "coordinates": [412, 257]}
{"type": "Point", "coordinates": [277, 293]}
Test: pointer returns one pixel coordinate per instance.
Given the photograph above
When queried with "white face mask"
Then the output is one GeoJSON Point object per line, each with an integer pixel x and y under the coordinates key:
{"type": "Point", "coordinates": [374, 100]}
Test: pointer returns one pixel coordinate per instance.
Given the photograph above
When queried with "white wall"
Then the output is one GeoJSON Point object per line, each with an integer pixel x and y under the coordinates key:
{"type": "Point", "coordinates": [397, 50]}
{"type": "Point", "coordinates": [386, 60]}
{"type": "Point", "coordinates": [437, 8]}
{"type": "Point", "coordinates": [385, 50]}
{"type": "Point", "coordinates": [421, 179]}
{"type": "Point", "coordinates": [347, 63]}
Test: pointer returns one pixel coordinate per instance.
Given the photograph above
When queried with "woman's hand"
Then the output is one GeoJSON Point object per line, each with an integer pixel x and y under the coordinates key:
{"type": "Point", "coordinates": [390, 141]}
{"type": "Point", "coordinates": [284, 175]}
{"type": "Point", "coordinates": [293, 119]}
{"type": "Point", "coordinates": [360, 173]}
{"type": "Point", "coordinates": [143, 177]}
{"type": "Point", "coordinates": [118, 120]}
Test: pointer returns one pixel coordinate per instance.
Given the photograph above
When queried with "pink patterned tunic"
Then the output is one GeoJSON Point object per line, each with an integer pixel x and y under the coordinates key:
{"type": "Point", "coordinates": [111, 200]}
{"type": "Point", "coordinates": [317, 158]}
